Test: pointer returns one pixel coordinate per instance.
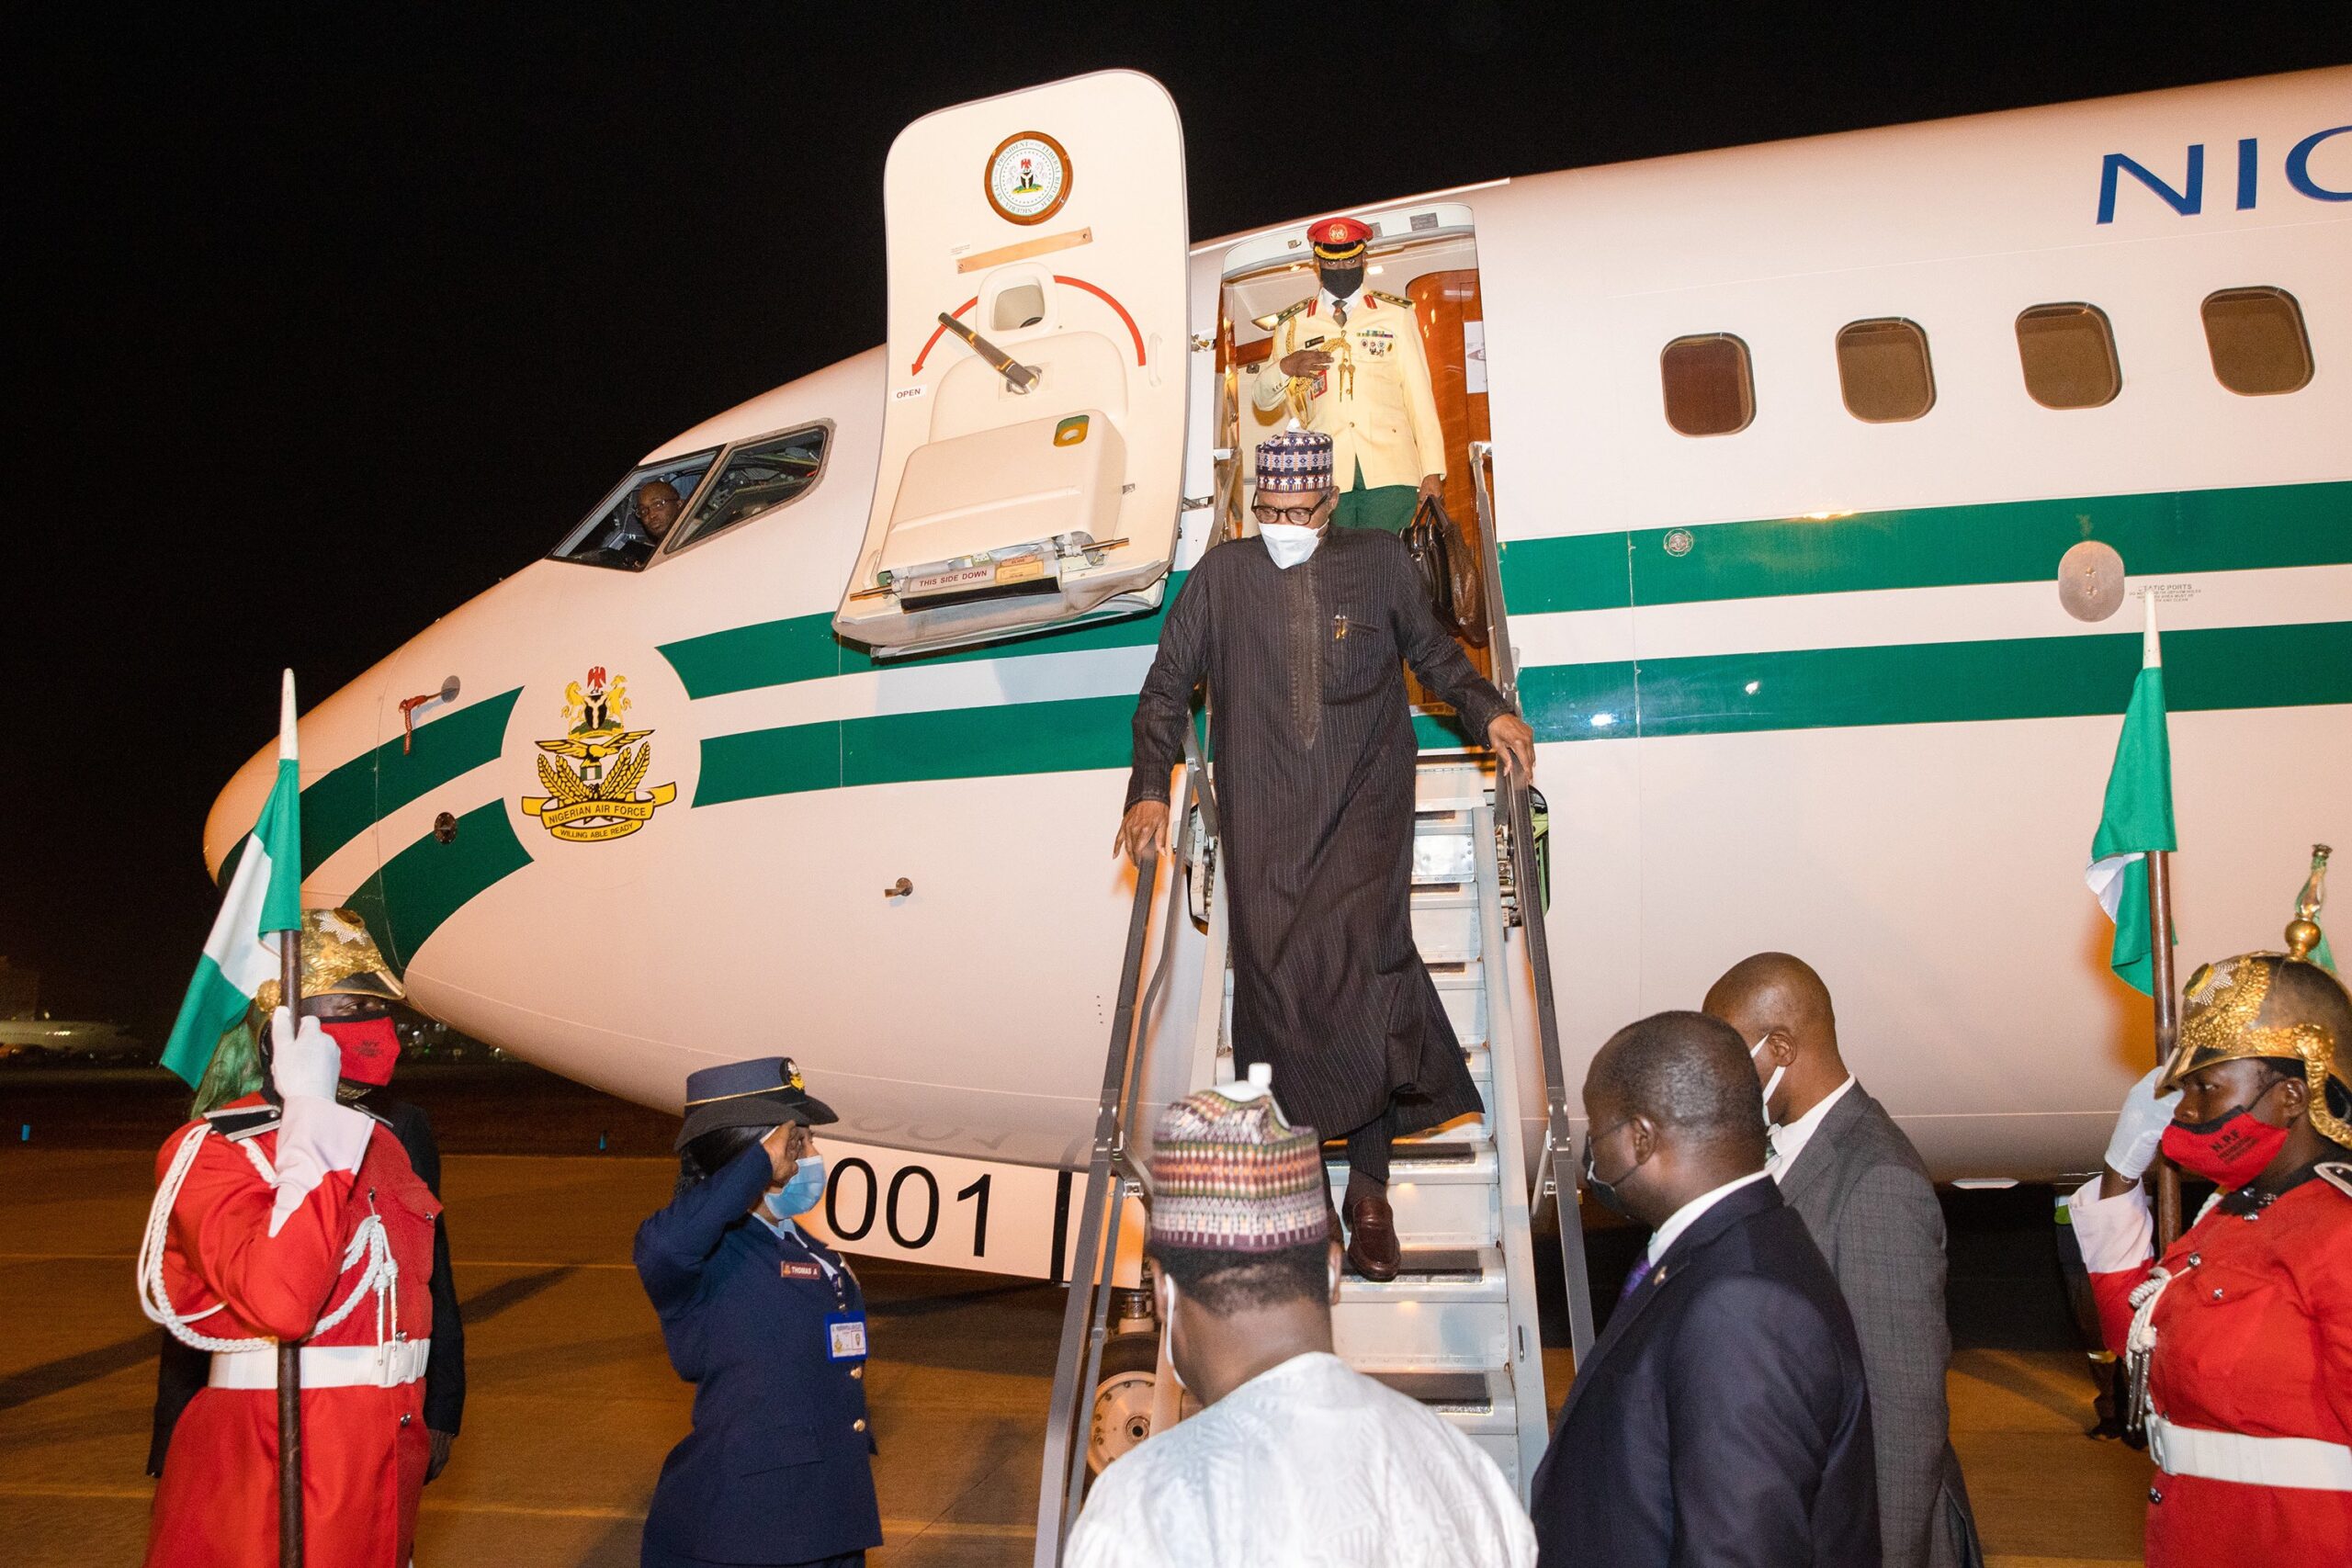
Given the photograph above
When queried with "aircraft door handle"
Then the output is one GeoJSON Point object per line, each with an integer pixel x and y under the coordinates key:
{"type": "Point", "coordinates": [446, 694]}
{"type": "Point", "coordinates": [898, 889]}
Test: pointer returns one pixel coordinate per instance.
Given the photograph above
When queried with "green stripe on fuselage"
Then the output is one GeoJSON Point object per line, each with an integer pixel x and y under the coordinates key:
{"type": "Point", "coordinates": [1942, 683]}
{"type": "Point", "coordinates": [406, 901]}
{"type": "Point", "coordinates": [805, 647]}
{"type": "Point", "coordinates": [901, 748]}
{"type": "Point", "coordinates": [2160, 535]}
{"type": "Point", "coordinates": [346, 803]}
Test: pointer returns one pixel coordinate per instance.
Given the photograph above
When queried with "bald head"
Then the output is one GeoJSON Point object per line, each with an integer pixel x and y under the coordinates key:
{"type": "Point", "coordinates": [1783, 1012]}
{"type": "Point", "coordinates": [1671, 1107]}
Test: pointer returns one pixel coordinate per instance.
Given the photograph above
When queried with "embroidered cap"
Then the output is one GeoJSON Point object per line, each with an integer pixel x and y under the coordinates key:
{"type": "Point", "coordinates": [763, 1092]}
{"type": "Point", "coordinates": [1339, 239]}
{"type": "Point", "coordinates": [1295, 462]}
{"type": "Point", "coordinates": [1228, 1174]}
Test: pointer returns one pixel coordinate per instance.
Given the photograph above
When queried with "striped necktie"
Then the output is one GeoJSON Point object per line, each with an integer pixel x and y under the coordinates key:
{"type": "Point", "coordinates": [1633, 1280]}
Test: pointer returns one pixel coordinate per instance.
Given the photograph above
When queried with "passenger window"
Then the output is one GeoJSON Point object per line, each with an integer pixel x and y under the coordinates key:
{"type": "Point", "coordinates": [631, 523]}
{"type": "Point", "coordinates": [1709, 389]}
{"type": "Point", "coordinates": [2068, 353]}
{"type": "Point", "coordinates": [1883, 370]}
{"type": "Point", "coordinates": [2258, 340]}
{"type": "Point", "coordinates": [757, 478]}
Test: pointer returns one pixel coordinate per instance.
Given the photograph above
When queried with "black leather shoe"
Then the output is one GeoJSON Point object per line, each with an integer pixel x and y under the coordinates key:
{"type": "Point", "coordinates": [1373, 1247]}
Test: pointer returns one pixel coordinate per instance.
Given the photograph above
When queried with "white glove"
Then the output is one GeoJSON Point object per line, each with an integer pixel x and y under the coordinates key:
{"type": "Point", "coordinates": [2139, 1127]}
{"type": "Point", "coordinates": [303, 1060]}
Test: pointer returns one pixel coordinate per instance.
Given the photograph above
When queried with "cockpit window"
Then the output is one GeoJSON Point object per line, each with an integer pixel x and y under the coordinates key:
{"type": "Point", "coordinates": [631, 523]}
{"type": "Point", "coordinates": [757, 478]}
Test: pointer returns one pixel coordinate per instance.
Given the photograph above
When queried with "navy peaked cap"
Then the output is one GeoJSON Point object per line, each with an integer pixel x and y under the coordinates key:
{"type": "Point", "coordinates": [763, 1092]}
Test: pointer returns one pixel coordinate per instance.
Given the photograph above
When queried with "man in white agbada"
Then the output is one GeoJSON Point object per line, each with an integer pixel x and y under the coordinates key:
{"type": "Point", "coordinates": [1296, 1458]}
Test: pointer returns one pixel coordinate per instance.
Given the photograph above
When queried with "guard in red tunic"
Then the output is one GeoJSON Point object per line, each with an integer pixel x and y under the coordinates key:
{"type": "Point", "coordinates": [2238, 1341]}
{"type": "Point", "coordinates": [287, 1216]}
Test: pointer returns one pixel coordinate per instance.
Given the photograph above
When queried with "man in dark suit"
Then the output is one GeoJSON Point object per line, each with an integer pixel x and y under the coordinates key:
{"type": "Point", "coordinates": [1863, 1193]}
{"type": "Point", "coordinates": [1722, 1418]}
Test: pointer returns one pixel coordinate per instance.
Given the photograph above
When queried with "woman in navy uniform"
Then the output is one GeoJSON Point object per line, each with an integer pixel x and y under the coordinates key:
{"type": "Point", "coordinates": [769, 1326]}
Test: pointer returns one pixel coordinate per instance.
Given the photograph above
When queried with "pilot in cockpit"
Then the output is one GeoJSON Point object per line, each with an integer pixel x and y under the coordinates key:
{"type": "Point", "coordinates": [641, 527]}
{"type": "Point", "coordinates": [655, 513]}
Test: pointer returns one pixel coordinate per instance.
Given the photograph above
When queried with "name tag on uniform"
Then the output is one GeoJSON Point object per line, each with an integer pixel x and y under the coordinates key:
{"type": "Point", "coordinates": [845, 1334]}
{"type": "Point", "coordinates": [803, 1271]}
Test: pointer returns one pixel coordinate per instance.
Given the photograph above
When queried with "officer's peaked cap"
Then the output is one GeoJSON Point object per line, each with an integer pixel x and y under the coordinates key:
{"type": "Point", "coordinates": [763, 1092]}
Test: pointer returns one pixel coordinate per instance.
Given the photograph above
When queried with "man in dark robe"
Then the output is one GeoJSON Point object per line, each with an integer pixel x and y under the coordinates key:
{"type": "Point", "coordinates": [1300, 633]}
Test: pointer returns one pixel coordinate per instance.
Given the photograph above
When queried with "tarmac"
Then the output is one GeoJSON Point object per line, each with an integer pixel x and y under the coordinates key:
{"type": "Point", "coordinates": [572, 1403]}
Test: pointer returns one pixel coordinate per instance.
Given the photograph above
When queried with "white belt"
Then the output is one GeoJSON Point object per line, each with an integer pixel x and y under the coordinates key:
{"type": "Point", "coordinates": [327, 1366]}
{"type": "Point", "coordinates": [2255, 1462]}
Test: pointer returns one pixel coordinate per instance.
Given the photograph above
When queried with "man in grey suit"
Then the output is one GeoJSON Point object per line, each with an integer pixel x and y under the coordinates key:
{"type": "Point", "coordinates": [1845, 1166]}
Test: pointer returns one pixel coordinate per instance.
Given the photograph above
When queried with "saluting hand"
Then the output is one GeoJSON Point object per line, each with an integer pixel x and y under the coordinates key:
{"type": "Point", "coordinates": [1514, 744]}
{"type": "Point", "coordinates": [1144, 828]}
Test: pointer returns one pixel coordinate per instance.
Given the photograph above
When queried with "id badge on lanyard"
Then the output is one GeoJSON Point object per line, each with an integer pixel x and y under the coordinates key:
{"type": "Point", "coordinates": [845, 1335]}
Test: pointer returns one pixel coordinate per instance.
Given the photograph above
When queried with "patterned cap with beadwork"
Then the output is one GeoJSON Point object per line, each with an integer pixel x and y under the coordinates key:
{"type": "Point", "coordinates": [1228, 1174]}
{"type": "Point", "coordinates": [1295, 461]}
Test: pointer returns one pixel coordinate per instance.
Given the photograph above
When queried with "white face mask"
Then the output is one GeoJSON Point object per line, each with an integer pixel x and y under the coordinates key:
{"type": "Point", "coordinates": [1772, 1083]}
{"type": "Point", "coordinates": [1288, 543]}
{"type": "Point", "coordinates": [1168, 1327]}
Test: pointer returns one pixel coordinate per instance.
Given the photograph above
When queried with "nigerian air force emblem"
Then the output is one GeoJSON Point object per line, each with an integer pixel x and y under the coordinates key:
{"type": "Point", "coordinates": [595, 774]}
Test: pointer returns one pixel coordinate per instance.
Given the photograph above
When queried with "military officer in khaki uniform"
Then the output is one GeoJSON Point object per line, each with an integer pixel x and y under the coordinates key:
{"type": "Point", "coordinates": [1349, 363]}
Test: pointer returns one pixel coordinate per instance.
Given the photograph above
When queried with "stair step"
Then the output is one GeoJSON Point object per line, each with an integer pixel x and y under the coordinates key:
{"type": "Point", "coordinates": [1424, 1335]}
{"type": "Point", "coordinates": [1443, 851]}
{"type": "Point", "coordinates": [1482, 1406]}
{"type": "Point", "coordinates": [1447, 1310]}
{"type": "Point", "coordinates": [1443, 1195]}
{"type": "Point", "coordinates": [1450, 786]}
{"type": "Point", "coordinates": [1446, 931]}
{"type": "Point", "coordinates": [1462, 991]}
{"type": "Point", "coordinates": [1446, 1142]}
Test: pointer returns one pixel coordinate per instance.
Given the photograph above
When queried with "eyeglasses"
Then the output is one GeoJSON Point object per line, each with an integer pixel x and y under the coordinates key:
{"type": "Point", "coordinates": [1296, 516]}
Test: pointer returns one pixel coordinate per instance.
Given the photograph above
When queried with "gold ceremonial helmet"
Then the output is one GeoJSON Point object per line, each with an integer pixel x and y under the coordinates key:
{"type": "Point", "coordinates": [2279, 1005]}
{"type": "Point", "coordinates": [339, 958]}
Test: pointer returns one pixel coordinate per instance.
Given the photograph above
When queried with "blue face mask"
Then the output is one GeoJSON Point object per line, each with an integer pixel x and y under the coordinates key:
{"type": "Point", "coordinates": [801, 1193]}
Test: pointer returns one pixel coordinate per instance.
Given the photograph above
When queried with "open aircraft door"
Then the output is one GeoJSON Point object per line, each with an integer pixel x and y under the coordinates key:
{"type": "Point", "coordinates": [1032, 438]}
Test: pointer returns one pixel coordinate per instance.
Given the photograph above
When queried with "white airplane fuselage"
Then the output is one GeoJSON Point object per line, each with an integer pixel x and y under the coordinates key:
{"type": "Point", "coordinates": [1808, 687]}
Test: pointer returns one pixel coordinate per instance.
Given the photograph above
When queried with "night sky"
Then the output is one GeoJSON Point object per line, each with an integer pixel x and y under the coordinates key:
{"type": "Point", "coordinates": [328, 316]}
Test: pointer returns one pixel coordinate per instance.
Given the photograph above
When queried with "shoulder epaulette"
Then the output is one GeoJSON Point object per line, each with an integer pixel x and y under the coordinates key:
{"type": "Point", "coordinates": [241, 1122]}
{"type": "Point", "coordinates": [1284, 314]}
{"type": "Point", "coordinates": [2337, 1174]}
{"type": "Point", "coordinates": [1396, 299]}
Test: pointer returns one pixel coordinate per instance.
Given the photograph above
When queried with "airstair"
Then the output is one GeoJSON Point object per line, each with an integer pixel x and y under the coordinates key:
{"type": "Point", "coordinates": [1457, 1328]}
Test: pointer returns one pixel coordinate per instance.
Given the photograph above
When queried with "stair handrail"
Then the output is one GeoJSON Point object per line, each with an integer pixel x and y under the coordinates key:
{"type": "Point", "coordinates": [1112, 1174]}
{"type": "Point", "coordinates": [1556, 1169]}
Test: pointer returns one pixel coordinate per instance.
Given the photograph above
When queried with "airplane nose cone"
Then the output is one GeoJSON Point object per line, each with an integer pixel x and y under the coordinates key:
{"type": "Point", "coordinates": [334, 736]}
{"type": "Point", "coordinates": [237, 806]}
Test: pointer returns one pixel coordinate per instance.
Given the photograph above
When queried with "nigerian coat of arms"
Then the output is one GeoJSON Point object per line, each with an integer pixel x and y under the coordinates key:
{"type": "Point", "coordinates": [595, 774]}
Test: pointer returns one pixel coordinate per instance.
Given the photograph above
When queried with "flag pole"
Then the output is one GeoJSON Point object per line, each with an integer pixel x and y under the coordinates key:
{"type": "Point", "coordinates": [2167, 1005]}
{"type": "Point", "coordinates": [289, 1356]}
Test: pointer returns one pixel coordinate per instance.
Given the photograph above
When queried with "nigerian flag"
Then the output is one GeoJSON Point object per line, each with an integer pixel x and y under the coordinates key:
{"type": "Point", "coordinates": [2137, 818]}
{"type": "Point", "coordinates": [264, 896]}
